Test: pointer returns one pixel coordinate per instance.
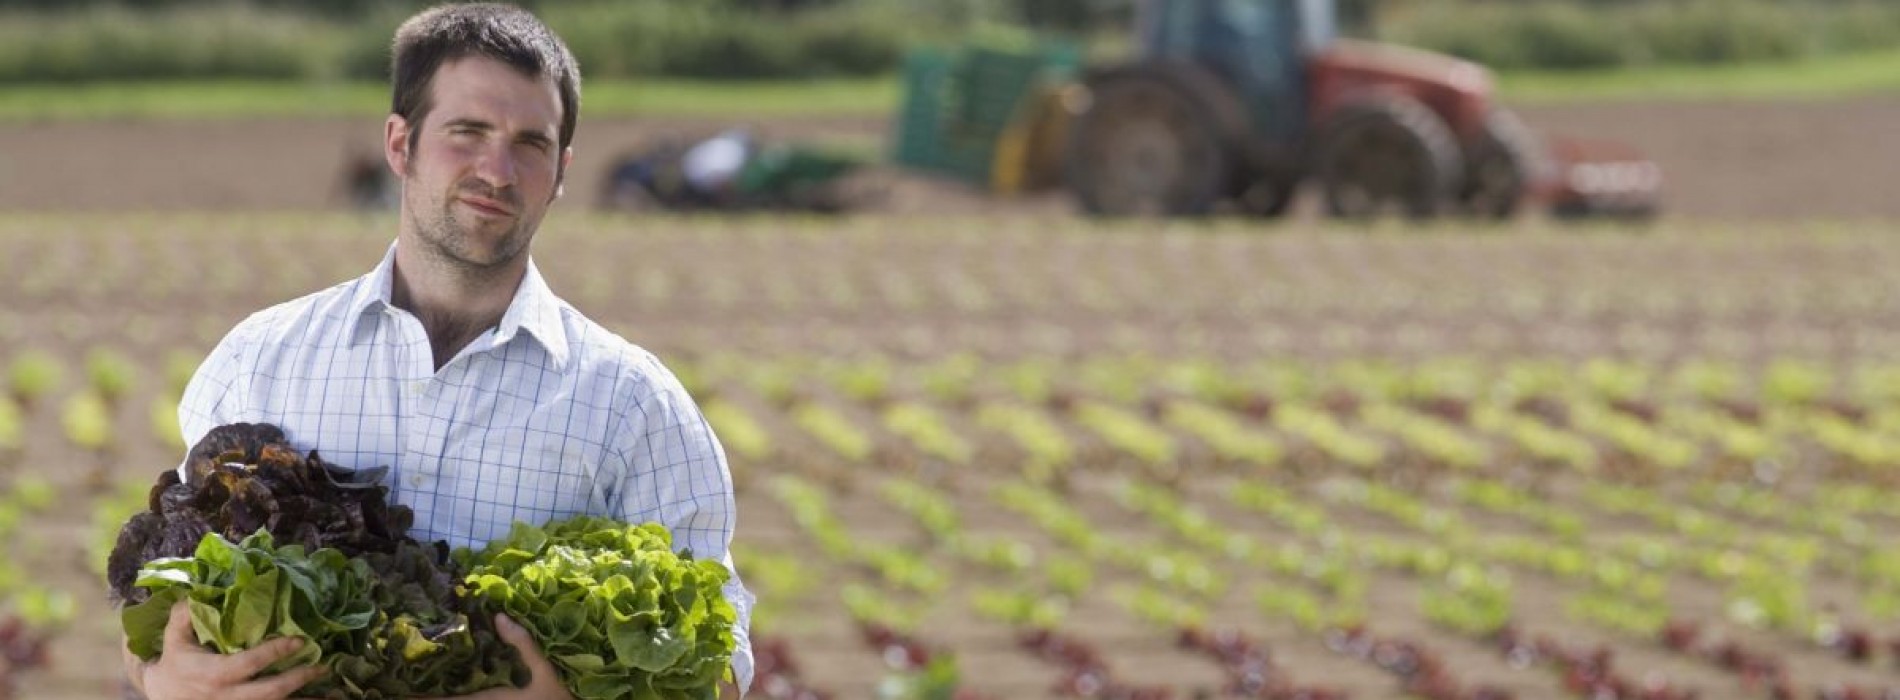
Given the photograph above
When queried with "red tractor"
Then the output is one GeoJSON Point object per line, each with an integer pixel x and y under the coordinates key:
{"type": "Point", "coordinates": [1237, 103]}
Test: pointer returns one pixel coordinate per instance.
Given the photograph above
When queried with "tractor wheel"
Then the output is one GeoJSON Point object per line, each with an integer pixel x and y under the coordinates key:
{"type": "Point", "coordinates": [1500, 167]}
{"type": "Point", "coordinates": [1145, 148]}
{"type": "Point", "coordinates": [1266, 197]}
{"type": "Point", "coordinates": [622, 196]}
{"type": "Point", "coordinates": [1388, 155]}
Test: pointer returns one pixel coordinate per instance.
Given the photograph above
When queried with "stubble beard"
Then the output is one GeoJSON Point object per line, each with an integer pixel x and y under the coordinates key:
{"type": "Point", "coordinates": [448, 241]}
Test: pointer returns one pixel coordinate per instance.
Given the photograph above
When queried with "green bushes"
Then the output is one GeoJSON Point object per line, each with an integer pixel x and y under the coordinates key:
{"type": "Point", "coordinates": [705, 40]}
{"type": "Point", "coordinates": [1859, 27]}
{"type": "Point", "coordinates": [1566, 34]}
{"type": "Point", "coordinates": [274, 39]}
{"type": "Point", "coordinates": [111, 43]}
{"type": "Point", "coordinates": [1724, 31]}
{"type": "Point", "coordinates": [611, 40]}
{"type": "Point", "coordinates": [1553, 35]}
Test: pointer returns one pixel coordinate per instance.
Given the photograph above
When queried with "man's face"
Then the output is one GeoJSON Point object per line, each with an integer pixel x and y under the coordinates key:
{"type": "Point", "coordinates": [486, 163]}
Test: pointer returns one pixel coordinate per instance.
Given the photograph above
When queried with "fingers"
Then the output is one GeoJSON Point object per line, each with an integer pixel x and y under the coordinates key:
{"type": "Point", "coordinates": [249, 662]}
{"type": "Point", "coordinates": [281, 685]}
{"type": "Point", "coordinates": [186, 668]}
{"type": "Point", "coordinates": [515, 634]}
{"type": "Point", "coordinates": [518, 637]}
{"type": "Point", "coordinates": [134, 667]}
{"type": "Point", "coordinates": [178, 634]}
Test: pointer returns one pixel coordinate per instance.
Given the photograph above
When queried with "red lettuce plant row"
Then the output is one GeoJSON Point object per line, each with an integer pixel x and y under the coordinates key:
{"type": "Point", "coordinates": [1085, 673]}
{"type": "Point", "coordinates": [22, 649]}
{"type": "Point", "coordinates": [931, 669]}
{"type": "Point", "coordinates": [775, 673]}
{"type": "Point", "coordinates": [1764, 673]}
{"type": "Point", "coordinates": [1587, 672]}
{"type": "Point", "coordinates": [1251, 672]}
{"type": "Point", "coordinates": [1422, 672]}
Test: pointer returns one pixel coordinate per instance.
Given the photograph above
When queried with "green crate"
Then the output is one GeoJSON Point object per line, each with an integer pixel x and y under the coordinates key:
{"type": "Point", "coordinates": [958, 102]}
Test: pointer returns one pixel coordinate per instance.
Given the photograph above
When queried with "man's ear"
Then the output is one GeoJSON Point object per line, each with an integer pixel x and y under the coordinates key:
{"type": "Point", "coordinates": [396, 144]}
{"type": "Point", "coordinates": [560, 176]}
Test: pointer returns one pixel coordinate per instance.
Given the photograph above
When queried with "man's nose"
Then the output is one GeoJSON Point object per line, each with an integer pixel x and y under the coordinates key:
{"type": "Point", "coordinates": [497, 167]}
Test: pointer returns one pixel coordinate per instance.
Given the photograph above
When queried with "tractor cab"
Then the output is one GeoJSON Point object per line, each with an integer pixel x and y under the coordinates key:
{"type": "Point", "coordinates": [1260, 48]}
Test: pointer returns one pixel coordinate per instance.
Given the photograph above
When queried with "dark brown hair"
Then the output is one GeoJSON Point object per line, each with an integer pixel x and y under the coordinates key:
{"type": "Point", "coordinates": [505, 33]}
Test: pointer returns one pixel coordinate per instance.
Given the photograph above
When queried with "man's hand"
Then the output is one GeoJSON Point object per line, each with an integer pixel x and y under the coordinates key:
{"type": "Point", "coordinates": [186, 671]}
{"type": "Point", "coordinates": [544, 683]}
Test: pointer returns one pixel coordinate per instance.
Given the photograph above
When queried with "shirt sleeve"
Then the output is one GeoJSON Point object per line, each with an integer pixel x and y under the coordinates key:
{"type": "Point", "coordinates": [674, 472]}
{"type": "Point", "coordinates": [212, 397]}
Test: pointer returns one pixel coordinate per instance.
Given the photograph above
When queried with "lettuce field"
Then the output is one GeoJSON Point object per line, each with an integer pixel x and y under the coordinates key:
{"type": "Point", "coordinates": [1044, 457]}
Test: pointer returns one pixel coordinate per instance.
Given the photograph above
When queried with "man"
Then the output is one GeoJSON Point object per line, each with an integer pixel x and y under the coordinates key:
{"type": "Point", "coordinates": [490, 399]}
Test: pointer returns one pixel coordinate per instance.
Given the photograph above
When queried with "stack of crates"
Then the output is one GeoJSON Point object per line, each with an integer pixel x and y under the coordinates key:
{"type": "Point", "coordinates": [958, 104]}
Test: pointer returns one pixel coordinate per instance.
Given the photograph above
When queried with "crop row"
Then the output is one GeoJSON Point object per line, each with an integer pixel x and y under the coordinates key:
{"type": "Point", "coordinates": [1016, 288]}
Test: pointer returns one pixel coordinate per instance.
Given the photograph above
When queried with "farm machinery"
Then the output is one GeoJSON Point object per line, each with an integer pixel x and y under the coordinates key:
{"type": "Point", "coordinates": [1234, 105]}
{"type": "Point", "coordinates": [732, 171]}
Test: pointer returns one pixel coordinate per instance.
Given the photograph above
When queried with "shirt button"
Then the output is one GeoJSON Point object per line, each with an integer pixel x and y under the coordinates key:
{"type": "Point", "coordinates": [415, 480]}
{"type": "Point", "coordinates": [417, 387]}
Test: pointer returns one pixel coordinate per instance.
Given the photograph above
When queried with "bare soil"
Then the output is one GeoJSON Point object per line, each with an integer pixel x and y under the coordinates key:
{"type": "Point", "coordinates": [1723, 160]}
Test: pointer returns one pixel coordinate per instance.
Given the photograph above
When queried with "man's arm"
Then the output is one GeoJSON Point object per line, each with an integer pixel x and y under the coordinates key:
{"type": "Point", "coordinates": [211, 397]}
{"type": "Point", "coordinates": [742, 601]}
{"type": "Point", "coordinates": [674, 472]}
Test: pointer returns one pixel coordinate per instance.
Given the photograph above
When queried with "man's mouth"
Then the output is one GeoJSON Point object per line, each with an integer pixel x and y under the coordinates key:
{"type": "Point", "coordinates": [486, 206]}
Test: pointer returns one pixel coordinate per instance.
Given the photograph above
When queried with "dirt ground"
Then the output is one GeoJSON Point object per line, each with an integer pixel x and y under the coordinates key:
{"type": "Point", "coordinates": [1723, 160]}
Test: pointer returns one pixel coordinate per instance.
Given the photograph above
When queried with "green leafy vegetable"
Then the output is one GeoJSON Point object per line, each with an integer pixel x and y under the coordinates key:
{"type": "Point", "coordinates": [384, 624]}
{"type": "Point", "coordinates": [612, 605]}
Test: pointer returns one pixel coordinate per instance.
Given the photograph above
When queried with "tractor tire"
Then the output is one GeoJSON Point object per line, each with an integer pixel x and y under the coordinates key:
{"type": "Point", "coordinates": [1145, 147]}
{"type": "Point", "coordinates": [1266, 197]}
{"type": "Point", "coordinates": [1389, 154]}
{"type": "Point", "coordinates": [1501, 165]}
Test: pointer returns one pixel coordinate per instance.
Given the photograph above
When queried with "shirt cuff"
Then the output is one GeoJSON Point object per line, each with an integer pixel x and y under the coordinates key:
{"type": "Point", "coordinates": [742, 668]}
{"type": "Point", "coordinates": [742, 662]}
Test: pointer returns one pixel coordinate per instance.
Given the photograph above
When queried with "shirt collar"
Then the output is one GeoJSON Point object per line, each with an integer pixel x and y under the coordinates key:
{"type": "Point", "coordinates": [373, 290]}
{"type": "Point", "coordinates": [534, 308]}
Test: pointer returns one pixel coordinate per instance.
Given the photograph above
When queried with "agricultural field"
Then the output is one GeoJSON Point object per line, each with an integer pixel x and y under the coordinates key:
{"type": "Point", "coordinates": [1034, 456]}
{"type": "Point", "coordinates": [1730, 159]}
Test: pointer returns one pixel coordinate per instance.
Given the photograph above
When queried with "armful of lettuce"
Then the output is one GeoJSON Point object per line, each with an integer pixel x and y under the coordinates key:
{"type": "Point", "coordinates": [612, 605]}
{"type": "Point", "coordinates": [373, 620]}
{"type": "Point", "coordinates": [617, 611]}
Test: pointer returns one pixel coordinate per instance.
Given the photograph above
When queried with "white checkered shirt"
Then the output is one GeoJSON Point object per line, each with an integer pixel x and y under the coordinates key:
{"type": "Point", "coordinates": [546, 416]}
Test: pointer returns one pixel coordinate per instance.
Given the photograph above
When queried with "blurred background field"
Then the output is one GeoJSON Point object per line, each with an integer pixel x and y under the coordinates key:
{"type": "Point", "coordinates": [989, 444]}
{"type": "Point", "coordinates": [93, 40]}
{"type": "Point", "coordinates": [276, 57]}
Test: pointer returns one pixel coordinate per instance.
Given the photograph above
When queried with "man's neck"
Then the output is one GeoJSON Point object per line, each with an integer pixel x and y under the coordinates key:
{"type": "Point", "coordinates": [455, 303]}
